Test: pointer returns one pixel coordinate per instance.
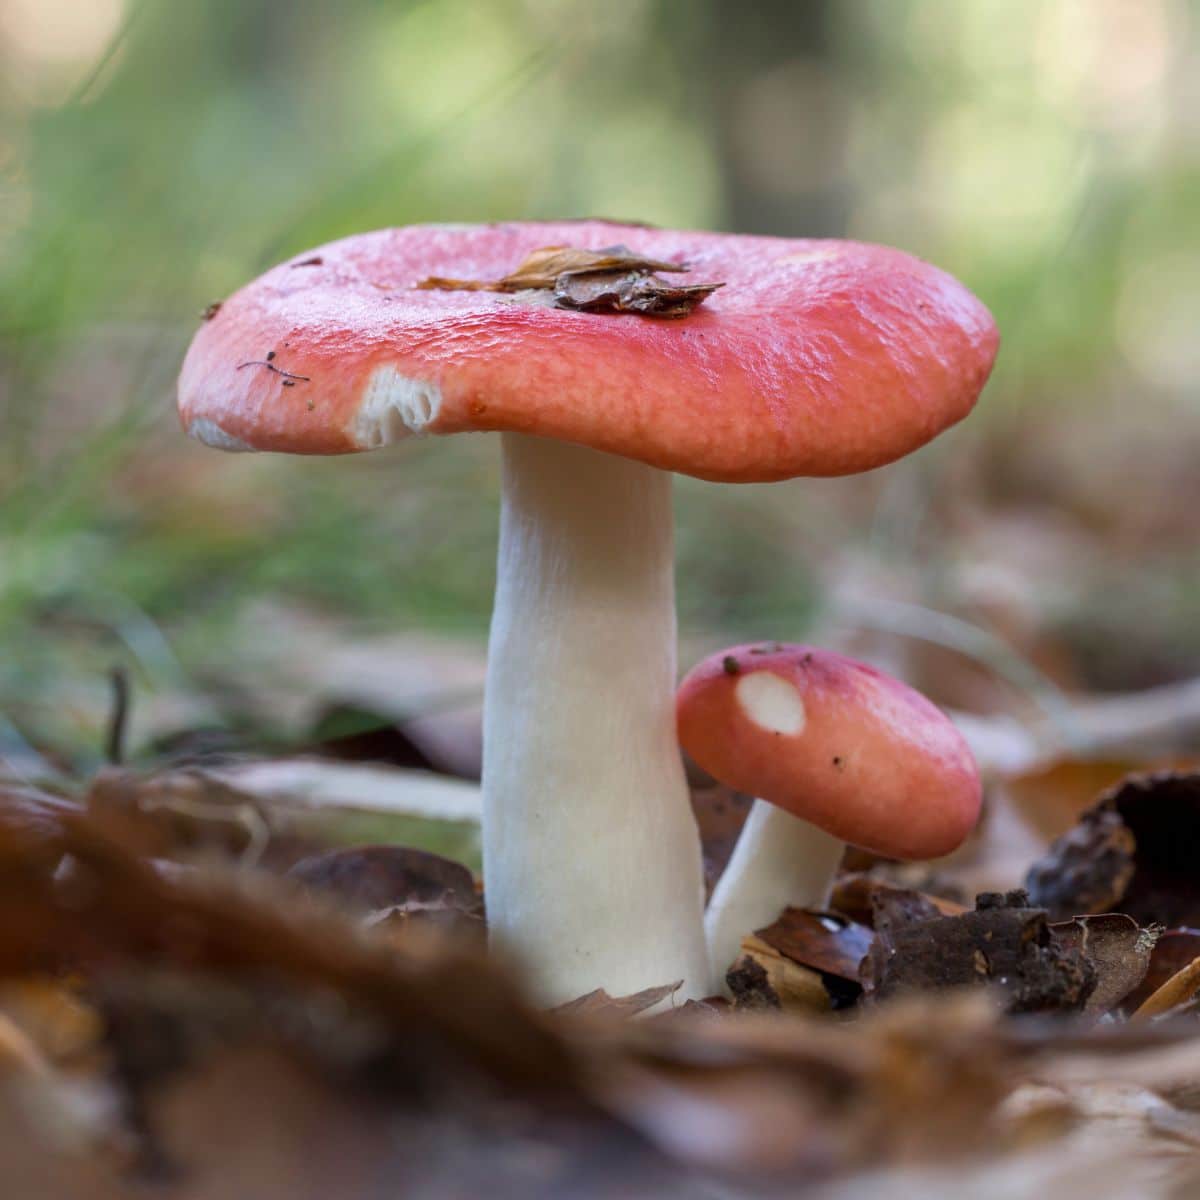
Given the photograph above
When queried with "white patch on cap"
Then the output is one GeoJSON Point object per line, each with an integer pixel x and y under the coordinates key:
{"type": "Point", "coordinates": [771, 702]}
{"type": "Point", "coordinates": [211, 434]}
{"type": "Point", "coordinates": [393, 407]}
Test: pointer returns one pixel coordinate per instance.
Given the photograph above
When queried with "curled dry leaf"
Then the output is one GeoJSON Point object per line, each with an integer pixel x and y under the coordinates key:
{"type": "Point", "coordinates": [762, 979]}
{"type": "Point", "coordinates": [1173, 950]}
{"type": "Point", "coordinates": [1087, 869]}
{"type": "Point", "coordinates": [1180, 989]}
{"type": "Point", "coordinates": [614, 279]}
{"type": "Point", "coordinates": [1142, 835]}
{"type": "Point", "coordinates": [825, 942]}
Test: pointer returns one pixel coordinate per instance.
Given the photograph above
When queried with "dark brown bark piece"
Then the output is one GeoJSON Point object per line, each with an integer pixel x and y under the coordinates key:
{"type": "Point", "coordinates": [1136, 851]}
{"type": "Point", "coordinates": [750, 988]}
{"type": "Point", "coordinates": [1003, 943]}
{"type": "Point", "coordinates": [1087, 869]}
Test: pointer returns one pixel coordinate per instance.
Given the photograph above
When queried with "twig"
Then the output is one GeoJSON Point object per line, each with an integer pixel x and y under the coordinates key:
{"type": "Point", "coordinates": [118, 719]}
{"type": "Point", "coordinates": [262, 362]}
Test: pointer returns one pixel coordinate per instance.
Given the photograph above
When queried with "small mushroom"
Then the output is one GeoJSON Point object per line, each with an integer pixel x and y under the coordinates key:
{"type": "Point", "coordinates": [836, 752]}
{"type": "Point", "coordinates": [814, 358]}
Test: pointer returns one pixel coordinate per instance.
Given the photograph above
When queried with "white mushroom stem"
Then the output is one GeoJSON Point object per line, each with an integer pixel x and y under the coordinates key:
{"type": "Point", "coordinates": [779, 861]}
{"type": "Point", "coordinates": [591, 855]}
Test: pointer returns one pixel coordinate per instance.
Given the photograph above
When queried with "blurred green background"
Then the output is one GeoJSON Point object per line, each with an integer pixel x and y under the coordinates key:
{"type": "Point", "coordinates": [155, 155]}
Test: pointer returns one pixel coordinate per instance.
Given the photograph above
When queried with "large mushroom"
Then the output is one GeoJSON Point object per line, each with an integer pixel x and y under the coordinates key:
{"type": "Point", "coordinates": [813, 358]}
{"type": "Point", "coordinates": [835, 752]}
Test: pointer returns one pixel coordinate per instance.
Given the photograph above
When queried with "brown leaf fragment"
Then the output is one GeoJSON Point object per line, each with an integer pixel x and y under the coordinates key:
{"type": "Point", "coordinates": [1180, 989]}
{"type": "Point", "coordinates": [1173, 950]}
{"type": "Point", "coordinates": [826, 942]}
{"type": "Point", "coordinates": [1118, 950]}
{"type": "Point", "coordinates": [599, 1002]}
{"type": "Point", "coordinates": [762, 979]}
{"type": "Point", "coordinates": [1004, 943]}
{"type": "Point", "coordinates": [1087, 869]}
{"type": "Point", "coordinates": [546, 267]}
{"type": "Point", "coordinates": [211, 310]}
{"type": "Point", "coordinates": [613, 279]}
{"type": "Point", "coordinates": [630, 292]}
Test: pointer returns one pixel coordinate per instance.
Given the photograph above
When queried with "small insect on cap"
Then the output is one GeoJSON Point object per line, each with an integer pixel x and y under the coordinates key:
{"type": "Point", "coordinates": [835, 742]}
{"type": "Point", "coordinates": [791, 357]}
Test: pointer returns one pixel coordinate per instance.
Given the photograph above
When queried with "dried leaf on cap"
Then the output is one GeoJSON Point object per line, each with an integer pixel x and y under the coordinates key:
{"type": "Point", "coordinates": [614, 279]}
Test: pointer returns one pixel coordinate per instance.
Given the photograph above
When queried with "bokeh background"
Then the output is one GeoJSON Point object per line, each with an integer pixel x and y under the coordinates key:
{"type": "Point", "coordinates": [154, 155]}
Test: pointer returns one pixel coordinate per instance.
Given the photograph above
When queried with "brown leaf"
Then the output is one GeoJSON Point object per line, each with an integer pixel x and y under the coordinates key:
{"type": "Point", "coordinates": [614, 279]}
{"type": "Point", "coordinates": [1003, 943]}
{"type": "Point", "coordinates": [1118, 950]}
{"type": "Point", "coordinates": [630, 292]}
{"type": "Point", "coordinates": [825, 942]}
{"type": "Point", "coordinates": [1172, 952]}
{"type": "Point", "coordinates": [762, 979]}
{"type": "Point", "coordinates": [1179, 989]}
{"type": "Point", "coordinates": [600, 1002]}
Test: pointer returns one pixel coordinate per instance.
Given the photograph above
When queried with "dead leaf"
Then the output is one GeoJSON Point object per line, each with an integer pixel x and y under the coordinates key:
{"type": "Point", "coordinates": [762, 979]}
{"type": "Point", "coordinates": [1172, 952]}
{"type": "Point", "coordinates": [1118, 950]}
{"type": "Point", "coordinates": [826, 942]}
{"type": "Point", "coordinates": [1179, 989]}
{"type": "Point", "coordinates": [600, 1002]}
{"type": "Point", "coordinates": [630, 292]}
{"type": "Point", "coordinates": [614, 279]}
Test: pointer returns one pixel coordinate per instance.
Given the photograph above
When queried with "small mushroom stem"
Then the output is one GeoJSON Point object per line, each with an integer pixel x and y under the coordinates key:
{"type": "Point", "coordinates": [591, 855]}
{"type": "Point", "coordinates": [779, 861]}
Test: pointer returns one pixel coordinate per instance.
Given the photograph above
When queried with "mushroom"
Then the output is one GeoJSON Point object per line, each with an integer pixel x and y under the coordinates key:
{"type": "Point", "coordinates": [834, 751]}
{"type": "Point", "coordinates": [814, 358]}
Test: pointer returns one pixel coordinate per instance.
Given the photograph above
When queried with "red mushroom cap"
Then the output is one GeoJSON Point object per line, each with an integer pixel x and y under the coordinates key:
{"type": "Point", "coordinates": [815, 358]}
{"type": "Point", "coordinates": [835, 742]}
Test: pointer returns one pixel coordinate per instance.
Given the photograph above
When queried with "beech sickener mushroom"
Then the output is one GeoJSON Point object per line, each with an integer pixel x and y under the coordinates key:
{"type": "Point", "coordinates": [835, 752]}
{"type": "Point", "coordinates": [813, 358]}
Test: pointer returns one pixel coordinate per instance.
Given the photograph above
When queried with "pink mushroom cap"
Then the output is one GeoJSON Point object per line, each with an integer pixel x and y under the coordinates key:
{"type": "Point", "coordinates": [835, 742]}
{"type": "Point", "coordinates": [814, 358]}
